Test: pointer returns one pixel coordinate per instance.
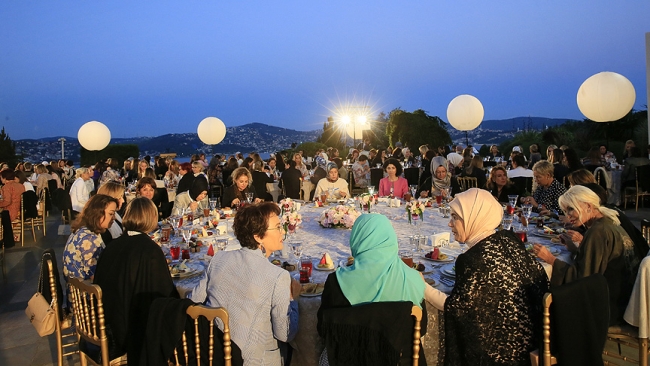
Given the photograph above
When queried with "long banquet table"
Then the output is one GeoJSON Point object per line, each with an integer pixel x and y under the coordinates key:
{"type": "Point", "coordinates": [317, 240]}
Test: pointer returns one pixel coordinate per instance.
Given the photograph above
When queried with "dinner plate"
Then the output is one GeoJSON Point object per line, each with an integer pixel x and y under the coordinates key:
{"type": "Point", "coordinates": [543, 234]}
{"type": "Point", "coordinates": [448, 270]}
{"type": "Point", "coordinates": [450, 258]}
{"type": "Point", "coordinates": [318, 289]}
{"type": "Point", "coordinates": [343, 263]}
{"type": "Point", "coordinates": [192, 269]}
{"type": "Point", "coordinates": [315, 266]}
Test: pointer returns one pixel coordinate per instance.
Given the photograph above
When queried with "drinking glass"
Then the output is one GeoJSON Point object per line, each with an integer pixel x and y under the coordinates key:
{"type": "Point", "coordinates": [249, 198]}
{"type": "Point", "coordinates": [414, 189]}
{"type": "Point", "coordinates": [526, 210]}
{"type": "Point", "coordinates": [371, 190]}
{"type": "Point", "coordinates": [297, 250]}
{"type": "Point", "coordinates": [378, 166]}
{"type": "Point", "coordinates": [407, 258]}
{"type": "Point", "coordinates": [512, 198]}
{"type": "Point", "coordinates": [222, 243]}
{"type": "Point", "coordinates": [213, 203]}
{"type": "Point", "coordinates": [187, 234]}
{"type": "Point", "coordinates": [506, 222]}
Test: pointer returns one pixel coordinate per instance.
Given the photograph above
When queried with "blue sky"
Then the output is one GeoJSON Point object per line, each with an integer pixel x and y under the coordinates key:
{"type": "Point", "coordinates": [153, 67]}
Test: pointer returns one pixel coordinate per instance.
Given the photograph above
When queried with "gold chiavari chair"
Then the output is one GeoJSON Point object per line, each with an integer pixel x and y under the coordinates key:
{"type": "Point", "coordinates": [65, 334]}
{"type": "Point", "coordinates": [210, 314]}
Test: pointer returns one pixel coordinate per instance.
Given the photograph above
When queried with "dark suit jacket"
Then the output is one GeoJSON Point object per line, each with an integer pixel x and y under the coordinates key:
{"type": "Point", "coordinates": [291, 183]}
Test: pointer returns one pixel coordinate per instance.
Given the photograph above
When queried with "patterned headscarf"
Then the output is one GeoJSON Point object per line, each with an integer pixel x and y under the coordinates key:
{"type": "Point", "coordinates": [378, 274]}
{"type": "Point", "coordinates": [439, 184]}
{"type": "Point", "coordinates": [480, 211]}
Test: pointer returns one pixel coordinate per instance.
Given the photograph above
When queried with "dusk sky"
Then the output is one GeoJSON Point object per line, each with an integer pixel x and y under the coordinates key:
{"type": "Point", "coordinates": [146, 68]}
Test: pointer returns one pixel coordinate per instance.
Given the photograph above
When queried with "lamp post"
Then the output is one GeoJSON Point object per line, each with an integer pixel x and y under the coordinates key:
{"type": "Point", "coordinates": [355, 121]}
{"type": "Point", "coordinates": [62, 141]}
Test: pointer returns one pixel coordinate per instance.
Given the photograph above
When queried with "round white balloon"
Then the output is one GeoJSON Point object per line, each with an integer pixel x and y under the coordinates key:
{"type": "Point", "coordinates": [465, 112]}
{"type": "Point", "coordinates": [606, 96]}
{"type": "Point", "coordinates": [355, 130]}
{"type": "Point", "coordinates": [211, 130]}
{"type": "Point", "coordinates": [94, 136]}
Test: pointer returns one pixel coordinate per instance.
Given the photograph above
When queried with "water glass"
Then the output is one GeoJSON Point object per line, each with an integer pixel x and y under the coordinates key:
{"type": "Point", "coordinates": [378, 166]}
{"type": "Point", "coordinates": [297, 250]}
{"type": "Point", "coordinates": [407, 258]}
{"type": "Point", "coordinates": [512, 198]}
{"type": "Point", "coordinates": [506, 222]}
{"type": "Point", "coordinates": [187, 233]}
{"type": "Point", "coordinates": [222, 244]}
{"type": "Point", "coordinates": [371, 190]}
{"type": "Point", "coordinates": [526, 210]}
{"type": "Point", "coordinates": [249, 198]}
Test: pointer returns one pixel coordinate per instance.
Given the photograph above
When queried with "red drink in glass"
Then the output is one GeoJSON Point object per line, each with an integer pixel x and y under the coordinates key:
{"type": "Point", "coordinates": [175, 252]}
{"type": "Point", "coordinates": [190, 217]}
{"type": "Point", "coordinates": [306, 263]}
{"type": "Point", "coordinates": [439, 199]}
{"type": "Point", "coordinates": [166, 232]}
{"type": "Point", "coordinates": [206, 212]}
{"type": "Point", "coordinates": [185, 254]}
{"type": "Point", "coordinates": [304, 274]}
{"type": "Point", "coordinates": [323, 197]}
{"type": "Point", "coordinates": [510, 210]}
{"type": "Point", "coordinates": [523, 236]}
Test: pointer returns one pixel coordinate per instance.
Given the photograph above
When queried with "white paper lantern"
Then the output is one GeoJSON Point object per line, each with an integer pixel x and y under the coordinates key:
{"type": "Point", "coordinates": [465, 112]}
{"type": "Point", "coordinates": [606, 96]}
{"type": "Point", "coordinates": [94, 136]}
{"type": "Point", "coordinates": [211, 130]}
{"type": "Point", "coordinates": [355, 130]}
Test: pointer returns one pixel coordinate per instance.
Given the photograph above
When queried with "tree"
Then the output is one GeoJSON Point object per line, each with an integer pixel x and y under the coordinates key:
{"type": "Point", "coordinates": [332, 135]}
{"type": "Point", "coordinates": [120, 152]}
{"type": "Point", "coordinates": [7, 149]}
{"type": "Point", "coordinates": [377, 131]}
{"type": "Point", "coordinates": [416, 128]}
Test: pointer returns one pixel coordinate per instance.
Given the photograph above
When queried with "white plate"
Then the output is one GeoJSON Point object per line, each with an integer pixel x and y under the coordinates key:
{"type": "Point", "coordinates": [448, 270]}
{"type": "Point", "coordinates": [343, 263]}
{"type": "Point", "coordinates": [541, 233]}
{"type": "Point", "coordinates": [450, 258]}
{"type": "Point", "coordinates": [312, 295]}
{"type": "Point", "coordinates": [193, 269]}
{"type": "Point", "coordinates": [315, 266]}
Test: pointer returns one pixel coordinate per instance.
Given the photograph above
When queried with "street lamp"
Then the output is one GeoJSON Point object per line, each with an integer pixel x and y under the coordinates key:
{"type": "Point", "coordinates": [62, 141]}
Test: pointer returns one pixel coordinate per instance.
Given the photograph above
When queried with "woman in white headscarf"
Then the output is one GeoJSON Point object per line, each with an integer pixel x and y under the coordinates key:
{"type": "Point", "coordinates": [442, 181]}
{"type": "Point", "coordinates": [494, 313]}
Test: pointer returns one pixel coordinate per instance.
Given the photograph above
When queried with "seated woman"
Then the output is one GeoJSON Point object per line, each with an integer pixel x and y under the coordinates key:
{"type": "Point", "coordinates": [290, 181]}
{"type": "Point", "coordinates": [361, 171]}
{"type": "Point", "coordinates": [378, 275]}
{"type": "Point", "coordinates": [297, 158]}
{"type": "Point", "coordinates": [636, 159]}
{"type": "Point", "coordinates": [260, 297]}
{"type": "Point", "coordinates": [10, 203]}
{"type": "Point", "coordinates": [132, 272]}
{"type": "Point", "coordinates": [111, 174]}
{"type": "Point", "coordinates": [42, 179]}
{"type": "Point", "coordinates": [85, 244]}
{"type": "Point", "coordinates": [393, 184]}
{"type": "Point", "coordinates": [332, 181]}
{"type": "Point", "coordinates": [147, 188]}
{"type": "Point", "coordinates": [185, 181]}
{"type": "Point", "coordinates": [79, 192]}
{"type": "Point", "coordinates": [194, 198]}
{"type": "Point", "coordinates": [500, 186]}
{"type": "Point", "coordinates": [441, 181]}
{"type": "Point", "coordinates": [242, 184]}
{"type": "Point", "coordinates": [545, 197]}
{"type": "Point", "coordinates": [260, 178]}
{"type": "Point", "coordinates": [605, 248]}
{"type": "Point", "coordinates": [475, 170]}
{"type": "Point", "coordinates": [116, 191]}
{"type": "Point", "coordinates": [494, 313]}
{"type": "Point", "coordinates": [580, 177]}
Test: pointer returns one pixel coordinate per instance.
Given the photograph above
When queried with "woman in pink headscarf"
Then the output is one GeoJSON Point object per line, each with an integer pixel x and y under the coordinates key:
{"type": "Point", "coordinates": [494, 313]}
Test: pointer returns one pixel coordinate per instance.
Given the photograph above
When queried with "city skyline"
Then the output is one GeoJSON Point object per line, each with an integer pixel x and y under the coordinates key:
{"type": "Point", "coordinates": [152, 69]}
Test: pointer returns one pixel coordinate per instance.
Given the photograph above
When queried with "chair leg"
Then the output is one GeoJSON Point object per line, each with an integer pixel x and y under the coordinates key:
{"type": "Point", "coordinates": [33, 230]}
{"type": "Point", "coordinates": [643, 351]}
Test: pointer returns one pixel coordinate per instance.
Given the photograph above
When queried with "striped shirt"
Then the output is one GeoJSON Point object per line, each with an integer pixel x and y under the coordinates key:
{"type": "Point", "coordinates": [256, 295]}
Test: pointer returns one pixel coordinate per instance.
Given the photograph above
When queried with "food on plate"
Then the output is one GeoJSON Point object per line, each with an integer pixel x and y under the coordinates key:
{"type": "Point", "coordinates": [555, 240]}
{"type": "Point", "coordinates": [178, 268]}
{"type": "Point", "coordinates": [318, 204]}
{"type": "Point", "coordinates": [227, 212]}
{"type": "Point", "coordinates": [350, 261]}
{"type": "Point", "coordinates": [326, 261]}
{"type": "Point", "coordinates": [312, 288]}
{"type": "Point", "coordinates": [276, 262]}
{"type": "Point", "coordinates": [436, 255]}
{"type": "Point", "coordinates": [288, 266]}
{"type": "Point", "coordinates": [419, 267]}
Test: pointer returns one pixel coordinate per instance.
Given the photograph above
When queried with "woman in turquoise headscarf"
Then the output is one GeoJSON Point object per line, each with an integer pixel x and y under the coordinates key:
{"type": "Point", "coordinates": [377, 275]}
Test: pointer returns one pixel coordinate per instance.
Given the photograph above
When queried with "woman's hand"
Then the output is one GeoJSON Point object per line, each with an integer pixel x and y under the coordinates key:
{"type": "Point", "coordinates": [194, 205]}
{"type": "Point", "coordinates": [295, 289]}
{"type": "Point", "coordinates": [541, 252]}
{"type": "Point", "coordinates": [343, 194]}
{"type": "Point", "coordinates": [258, 200]}
{"type": "Point", "coordinates": [530, 200]}
{"type": "Point", "coordinates": [424, 194]}
{"type": "Point", "coordinates": [571, 239]}
{"type": "Point", "coordinates": [235, 202]}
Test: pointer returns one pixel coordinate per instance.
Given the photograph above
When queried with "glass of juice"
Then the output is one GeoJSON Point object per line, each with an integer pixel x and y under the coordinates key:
{"type": "Point", "coordinates": [304, 274]}
{"type": "Point", "coordinates": [175, 252]}
{"type": "Point", "coordinates": [407, 258]}
{"type": "Point", "coordinates": [305, 261]}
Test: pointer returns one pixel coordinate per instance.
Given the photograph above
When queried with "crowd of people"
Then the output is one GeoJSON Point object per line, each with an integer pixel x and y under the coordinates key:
{"type": "Point", "coordinates": [492, 315]}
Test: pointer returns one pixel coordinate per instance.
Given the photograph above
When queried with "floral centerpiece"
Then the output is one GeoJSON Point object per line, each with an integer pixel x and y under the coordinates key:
{"type": "Point", "coordinates": [415, 209]}
{"type": "Point", "coordinates": [289, 216]}
{"type": "Point", "coordinates": [366, 200]}
{"type": "Point", "coordinates": [339, 216]}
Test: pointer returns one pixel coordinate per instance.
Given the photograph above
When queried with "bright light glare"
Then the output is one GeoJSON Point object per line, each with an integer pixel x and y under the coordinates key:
{"type": "Point", "coordinates": [345, 119]}
{"type": "Point", "coordinates": [362, 119]}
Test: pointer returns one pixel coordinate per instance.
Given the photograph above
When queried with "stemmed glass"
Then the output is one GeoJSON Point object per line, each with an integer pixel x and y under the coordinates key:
{"type": "Point", "coordinates": [512, 199]}
{"type": "Point", "coordinates": [187, 234]}
{"type": "Point", "coordinates": [526, 210]}
{"type": "Point", "coordinates": [371, 190]}
{"type": "Point", "coordinates": [222, 243]}
{"type": "Point", "coordinates": [297, 250]}
{"type": "Point", "coordinates": [249, 198]}
{"type": "Point", "coordinates": [413, 189]}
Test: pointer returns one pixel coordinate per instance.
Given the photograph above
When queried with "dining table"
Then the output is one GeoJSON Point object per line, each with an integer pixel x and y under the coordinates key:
{"type": "Point", "coordinates": [317, 240]}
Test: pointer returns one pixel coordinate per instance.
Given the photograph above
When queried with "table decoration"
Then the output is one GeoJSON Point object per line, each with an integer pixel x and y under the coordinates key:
{"type": "Point", "coordinates": [289, 216]}
{"type": "Point", "coordinates": [366, 200]}
{"type": "Point", "coordinates": [339, 216]}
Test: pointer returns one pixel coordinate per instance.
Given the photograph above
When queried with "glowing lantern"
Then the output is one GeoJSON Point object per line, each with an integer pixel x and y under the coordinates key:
{"type": "Point", "coordinates": [94, 136]}
{"type": "Point", "coordinates": [211, 130]}
{"type": "Point", "coordinates": [606, 96]}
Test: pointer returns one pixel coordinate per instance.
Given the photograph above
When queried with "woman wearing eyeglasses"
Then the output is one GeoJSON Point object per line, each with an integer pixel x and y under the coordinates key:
{"type": "Point", "coordinates": [261, 298]}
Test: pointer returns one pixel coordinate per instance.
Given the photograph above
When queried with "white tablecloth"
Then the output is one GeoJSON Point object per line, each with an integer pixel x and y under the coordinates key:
{"type": "Point", "coordinates": [317, 240]}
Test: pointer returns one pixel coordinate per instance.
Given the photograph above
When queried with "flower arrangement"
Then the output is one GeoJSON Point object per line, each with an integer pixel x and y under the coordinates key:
{"type": "Point", "coordinates": [339, 216]}
{"type": "Point", "coordinates": [415, 209]}
{"type": "Point", "coordinates": [366, 200]}
{"type": "Point", "coordinates": [289, 216]}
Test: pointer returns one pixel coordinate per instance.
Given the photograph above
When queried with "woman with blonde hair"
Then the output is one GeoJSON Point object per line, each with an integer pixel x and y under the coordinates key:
{"type": "Point", "coordinates": [475, 170]}
{"type": "Point", "coordinates": [242, 183]}
{"type": "Point", "coordinates": [580, 177]}
{"type": "Point", "coordinates": [132, 272]}
{"type": "Point", "coordinates": [605, 248]}
{"type": "Point", "coordinates": [79, 193]}
{"type": "Point", "coordinates": [116, 191]}
{"type": "Point", "coordinates": [500, 186]}
{"type": "Point", "coordinates": [42, 179]}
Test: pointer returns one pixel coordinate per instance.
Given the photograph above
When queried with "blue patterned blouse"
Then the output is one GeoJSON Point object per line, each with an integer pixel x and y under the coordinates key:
{"type": "Point", "coordinates": [81, 253]}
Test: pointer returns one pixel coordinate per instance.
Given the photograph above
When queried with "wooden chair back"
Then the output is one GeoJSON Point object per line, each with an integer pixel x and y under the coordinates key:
{"type": "Point", "coordinates": [18, 225]}
{"type": "Point", "coordinates": [547, 358]}
{"type": "Point", "coordinates": [645, 230]}
{"type": "Point", "coordinates": [210, 314]}
{"type": "Point", "coordinates": [417, 313]}
{"type": "Point", "coordinates": [65, 336]}
{"type": "Point", "coordinates": [2, 254]}
{"type": "Point", "coordinates": [466, 183]}
{"type": "Point", "coordinates": [88, 312]}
